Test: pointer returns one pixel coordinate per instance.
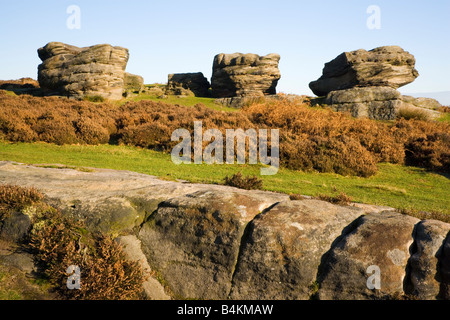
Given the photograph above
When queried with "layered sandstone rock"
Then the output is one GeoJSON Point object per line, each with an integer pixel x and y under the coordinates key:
{"type": "Point", "coordinates": [364, 83]}
{"type": "Point", "coordinates": [133, 83]}
{"type": "Point", "coordinates": [426, 103]}
{"type": "Point", "coordinates": [240, 74]}
{"type": "Point", "coordinates": [388, 66]}
{"type": "Point", "coordinates": [380, 103]}
{"type": "Point", "coordinates": [77, 72]}
{"type": "Point", "coordinates": [182, 83]}
{"type": "Point", "coordinates": [428, 253]}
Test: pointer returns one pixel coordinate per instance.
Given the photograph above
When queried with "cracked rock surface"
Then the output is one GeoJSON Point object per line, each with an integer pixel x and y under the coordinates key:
{"type": "Point", "coordinates": [219, 242]}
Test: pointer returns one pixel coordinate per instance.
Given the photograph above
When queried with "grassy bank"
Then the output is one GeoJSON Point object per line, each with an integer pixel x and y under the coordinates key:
{"type": "Point", "coordinates": [178, 100]}
{"type": "Point", "coordinates": [394, 185]}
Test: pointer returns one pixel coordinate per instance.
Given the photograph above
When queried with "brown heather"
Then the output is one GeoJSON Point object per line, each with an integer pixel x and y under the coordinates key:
{"type": "Point", "coordinates": [239, 181]}
{"type": "Point", "coordinates": [15, 198]}
{"type": "Point", "coordinates": [310, 138]}
{"type": "Point", "coordinates": [59, 241]}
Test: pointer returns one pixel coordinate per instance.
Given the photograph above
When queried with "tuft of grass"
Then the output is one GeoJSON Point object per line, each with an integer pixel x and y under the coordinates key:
{"type": "Point", "coordinates": [388, 188]}
{"type": "Point", "coordinates": [415, 114]}
{"type": "Point", "coordinates": [296, 196]}
{"type": "Point", "coordinates": [55, 166]}
{"type": "Point", "coordinates": [424, 215]}
{"type": "Point", "coordinates": [239, 181]}
{"type": "Point", "coordinates": [340, 199]}
{"type": "Point", "coordinates": [7, 93]}
{"type": "Point", "coordinates": [425, 190]}
{"type": "Point", "coordinates": [94, 98]}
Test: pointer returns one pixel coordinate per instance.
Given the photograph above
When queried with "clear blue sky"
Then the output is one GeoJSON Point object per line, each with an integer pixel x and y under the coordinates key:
{"type": "Point", "coordinates": [184, 36]}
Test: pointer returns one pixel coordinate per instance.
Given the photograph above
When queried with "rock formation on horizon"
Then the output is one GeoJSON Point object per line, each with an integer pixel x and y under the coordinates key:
{"type": "Point", "coordinates": [133, 83]}
{"type": "Point", "coordinates": [182, 83]}
{"type": "Point", "coordinates": [239, 75]}
{"type": "Point", "coordinates": [77, 72]}
{"type": "Point", "coordinates": [364, 83]}
{"type": "Point", "coordinates": [388, 66]}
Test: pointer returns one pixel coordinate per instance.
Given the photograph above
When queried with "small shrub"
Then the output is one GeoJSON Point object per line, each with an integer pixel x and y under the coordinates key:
{"type": "Point", "coordinates": [341, 199]}
{"type": "Point", "coordinates": [431, 151]}
{"type": "Point", "coordinates": [410, 113]}
{"type": "Point", "coordinates": [444, 109]}
{"type": "Point", "coordinates": [247, 183]}
{"type": "Point", "coordinates": [17, 198]}
{"type": "Point", "coordinates": [310, 138]}
{"type": "Point", "coordinates": [95, 98]}
{"type": "Point", "coordinates": [423, 215]}
{"type": "Point", "coordinates": [296, 196]}
{"type": "Point", "coordinates": [59, 242]}
{"type": "Point", "coordinates": [91, 132]}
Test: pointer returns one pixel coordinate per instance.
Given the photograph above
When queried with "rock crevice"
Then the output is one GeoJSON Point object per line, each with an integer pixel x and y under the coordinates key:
{"type": "Point", "coordinates": [219, 242]}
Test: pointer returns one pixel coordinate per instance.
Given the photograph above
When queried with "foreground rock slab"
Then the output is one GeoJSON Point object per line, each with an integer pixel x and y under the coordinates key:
{"type": "Point", "coordinates": [378, 241]}
{"type": "Point", "coordinates": [198, 237]}
{"type": "Point", "coordinates": [428, 253]}
{"type": "Point", "coordinates": [219, 242]}
{"type": "Point", "coordinates": [111, 201]}
{"type": "Point", "coordinates": [284, 247]}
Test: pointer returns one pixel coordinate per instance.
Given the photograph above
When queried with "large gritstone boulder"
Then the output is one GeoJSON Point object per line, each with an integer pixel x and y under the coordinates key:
{"type": "Point", "coordinates": [180, 83]}
{"type": "Point", "coordinates": [216, 242]}
{"type": "Point", "coordinates": [133, 83]}
{"type": "Point", "coordinates": [237, 75]}
{"type": "Point", "coordinates": [78, 72]}
{"type": "Point", "coordinates": [380, 103]}
{"type": "Point", "coordinates": [388, 66]}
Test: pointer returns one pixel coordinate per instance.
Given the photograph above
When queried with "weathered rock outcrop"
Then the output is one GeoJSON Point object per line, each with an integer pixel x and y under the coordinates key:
{"type": "Point", "coordinates": [218, 242]}
{"type": "Point", "coordinates": [133, 83]}
{"type": "Point", "coordinates": [427, 261]}
{"type": "Point", "coordinates": [383, 240]}
{"type": "Point", "coordinates": [132, 248]}
{"type": "Point", "coordinates": [284, 246]}
{"type": "Point", "coordinates": [77, 72]}
{"type": "Point", "coordinates": [181, 83]}
{"type": "Point", "coordinates": [445, 269]}
{"type": "Point", "coordinates": [388, 66]}
{"type": "Point", "coordinates": [198, 237]}
{"type": "Point", "coordinates": [364, 83]}
{"type": "Point", "coordinates": [426, 103]}
{"type": "Point", "coordinates": [380, 103]}
{"type": "Point", "coordinates": [244, 75]}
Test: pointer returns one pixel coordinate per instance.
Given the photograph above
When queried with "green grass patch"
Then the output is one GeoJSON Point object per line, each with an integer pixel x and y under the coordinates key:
{"type": "Point", "coordinates": [396, 186]}
{"type": "Point", "coordinates": [445, 117]}
{"type": "Point", "coordinates": [183, 101]}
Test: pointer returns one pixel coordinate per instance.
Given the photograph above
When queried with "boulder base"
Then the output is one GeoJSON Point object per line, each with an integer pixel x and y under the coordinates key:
{"type": "Point", "coordinates": [378, 103]}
